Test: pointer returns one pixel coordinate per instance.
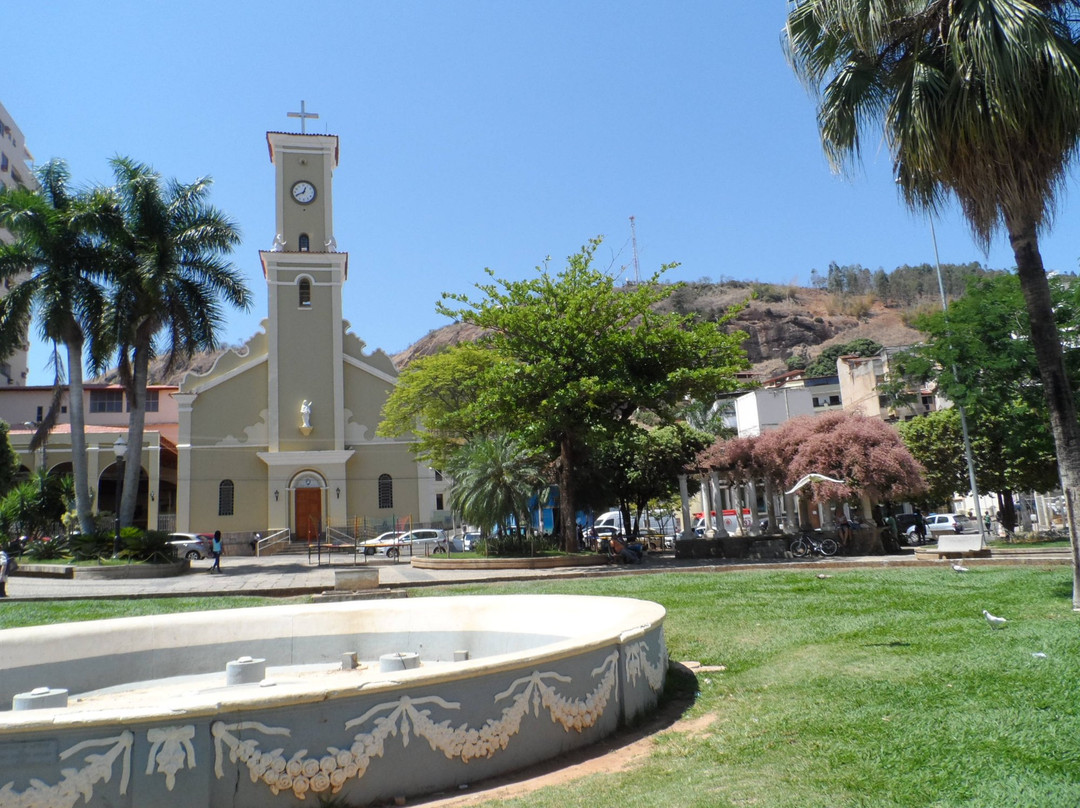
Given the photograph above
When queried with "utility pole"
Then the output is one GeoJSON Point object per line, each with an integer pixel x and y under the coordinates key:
{"type": "Point", "coordinates": [963, 415]}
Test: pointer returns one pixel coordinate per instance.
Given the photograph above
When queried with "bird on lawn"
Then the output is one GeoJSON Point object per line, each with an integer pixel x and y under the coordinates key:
{"type": "Point", "coordinates": [959, 568]}
{"type": "Point", "coordinates": [995, 622]}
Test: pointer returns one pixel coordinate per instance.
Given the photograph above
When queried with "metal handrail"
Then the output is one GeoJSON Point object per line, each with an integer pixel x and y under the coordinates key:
{"type": "Point", "coordinates": [280, 536]}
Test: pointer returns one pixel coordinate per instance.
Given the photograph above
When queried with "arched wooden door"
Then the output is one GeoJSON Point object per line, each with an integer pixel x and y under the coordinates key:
{"type": "Point", "coordinates": [308, 513]}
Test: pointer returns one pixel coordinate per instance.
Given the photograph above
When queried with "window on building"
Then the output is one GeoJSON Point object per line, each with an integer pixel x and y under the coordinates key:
{"type": "Point", "coordinates": [106, 401]}
{"type": "Point", "coordinates": [151, 401]}
{"type": "Point", "coordinates": [438, 502]}
{"type": "Point", "coordinates": [225, 498]}
{"type": "Point", "coordinates": [438, 475]}
{"type": "Point", "coordinates": [40, 414]}
{"type": "Point", "coordinates": [305, 242]}
{"type": "Point", "coordinates": [304, 293]}
{"type": "Point", "coordinates": [3, 162]}
{"type": "Point", "coordinates": [386, 491]}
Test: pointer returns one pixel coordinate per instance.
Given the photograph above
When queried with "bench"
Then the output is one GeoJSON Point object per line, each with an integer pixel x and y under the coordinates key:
{"type": "Point", "coordinates": [961, 546]}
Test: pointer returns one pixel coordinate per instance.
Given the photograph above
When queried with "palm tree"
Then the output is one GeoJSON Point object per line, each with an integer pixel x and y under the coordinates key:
{"type": "Point", "coordinates": [493, 479]}
{"type": "Point", "coordinates": [56, 262]}
{"type": "Point", "coordinates": [978, 99]}
{"type": "Point", "coordinates": [171, 279]}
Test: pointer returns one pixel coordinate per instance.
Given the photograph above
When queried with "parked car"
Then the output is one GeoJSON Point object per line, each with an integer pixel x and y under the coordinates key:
{"type": "Point", "coordinates": [458, 544]}
{"type": "Point", "coordinates": [417, 541]}
{"type": "Point", "coordinates": [195, 546]}
{"type": "Point", "coordinates": [383, 541]}
{"type": "Point", "coordinates": [942, 523]}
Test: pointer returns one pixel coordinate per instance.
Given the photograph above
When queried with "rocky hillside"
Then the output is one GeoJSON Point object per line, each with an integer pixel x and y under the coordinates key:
{"type": "Point", "coordinates": [780, 322]}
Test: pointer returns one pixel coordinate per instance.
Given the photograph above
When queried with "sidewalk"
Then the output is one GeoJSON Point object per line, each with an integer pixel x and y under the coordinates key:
{"type": "Point", "coordinates": [292, 575]}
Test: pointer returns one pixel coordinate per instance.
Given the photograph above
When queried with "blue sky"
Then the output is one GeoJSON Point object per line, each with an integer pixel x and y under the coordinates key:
{"type": "Point", "coordinates": [478, 133]}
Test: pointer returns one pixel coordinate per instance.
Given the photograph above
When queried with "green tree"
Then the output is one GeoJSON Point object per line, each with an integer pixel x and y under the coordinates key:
{"type": "Point", "coordinates": [825, 364]}
{"type": "Point", "coordinates": [431, 402]}
{"type": "Point", "coordinates": [978, 355]}
{"type": "Point", "coordinates": [935, 440]}
{"type": "Point", "coordinates": [171, 277]}
{"type": "Point", "coordinates": [33, 508]}
{"type": "Point", "coordinates": [9, 461]}
{"type": "Point", "coordinates": [641, 465]}
{"type": "Point", "coordinates": [57, 264]}
{"type": "Point", "coordinates": [494, 479]}
{"type": "Point", "coordinates": [577, 354]}
{"type": "Point", "coordinates": [978, 99]}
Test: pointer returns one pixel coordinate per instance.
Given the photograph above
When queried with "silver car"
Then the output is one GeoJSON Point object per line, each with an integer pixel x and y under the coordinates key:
{"type": "Point", "coordinates": [194, 546]}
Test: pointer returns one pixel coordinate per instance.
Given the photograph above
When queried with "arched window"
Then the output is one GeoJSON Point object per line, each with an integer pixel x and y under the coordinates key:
{"type": "Point", "coordinates": [225, 498]}
{"type": "Point", "coordinates": [304, 293]}
{"type": "Point", "coordinates": [305, 242]}
{"type": "Point", "coordinates": [386, 491]}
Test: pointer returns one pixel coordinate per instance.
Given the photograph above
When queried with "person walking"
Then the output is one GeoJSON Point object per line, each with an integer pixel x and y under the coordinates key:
{"type": "Point", "coordinates": [216, 550]}
{"type": "Point", "coordinates": [3, 573]}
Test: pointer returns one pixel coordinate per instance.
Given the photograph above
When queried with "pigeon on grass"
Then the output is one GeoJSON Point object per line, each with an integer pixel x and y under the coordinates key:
{"type": "Point", "coordinates": [959, 568]}
{"type": "Point", "coordinates": [995, 622]}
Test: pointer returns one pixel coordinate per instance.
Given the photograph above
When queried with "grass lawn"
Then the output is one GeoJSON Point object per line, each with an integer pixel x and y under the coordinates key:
{"type": "Point", "coordinates": [866, 688]}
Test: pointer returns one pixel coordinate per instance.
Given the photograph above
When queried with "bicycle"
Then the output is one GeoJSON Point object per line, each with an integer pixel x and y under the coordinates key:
{"type": "Point", "coordinates": [809, 544]}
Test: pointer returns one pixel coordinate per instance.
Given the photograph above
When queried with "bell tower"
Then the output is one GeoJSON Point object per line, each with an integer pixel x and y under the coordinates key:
{"type": "Point", "coordinates": [304, 274]}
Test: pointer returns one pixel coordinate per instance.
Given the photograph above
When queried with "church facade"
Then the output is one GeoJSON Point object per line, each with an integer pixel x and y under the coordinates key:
{"type": "Point", "coordinates": [281, 433]}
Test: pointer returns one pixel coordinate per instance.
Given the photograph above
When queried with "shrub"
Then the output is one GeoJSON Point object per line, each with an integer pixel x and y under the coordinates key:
{"type": "Point", "coordinates": [148, 545]}
{"type": "Point", "coordinates": [86, 546]}
{"type": "Point", "coordinates": [47, 549]}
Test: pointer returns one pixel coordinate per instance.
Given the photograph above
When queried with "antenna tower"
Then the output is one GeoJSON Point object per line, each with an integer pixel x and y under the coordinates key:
{"type": "Point", "coordinates": [633, 242]}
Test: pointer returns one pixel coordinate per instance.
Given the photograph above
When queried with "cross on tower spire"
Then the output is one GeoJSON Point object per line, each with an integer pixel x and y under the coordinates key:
{"type": "Point", "coordinates": [303, 115]}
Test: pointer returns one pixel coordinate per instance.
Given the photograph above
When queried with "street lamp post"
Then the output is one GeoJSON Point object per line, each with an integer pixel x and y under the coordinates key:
{"type": "Point", "coordinates": [120, 448]}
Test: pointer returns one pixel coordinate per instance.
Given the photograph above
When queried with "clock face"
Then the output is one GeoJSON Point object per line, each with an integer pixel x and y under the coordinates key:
{"type": "Point", "coordinates": [303, 192]}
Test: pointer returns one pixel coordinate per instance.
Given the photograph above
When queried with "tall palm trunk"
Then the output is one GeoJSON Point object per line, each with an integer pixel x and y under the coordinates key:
{"type": "Point", "coordinates": [136, 427]}
{"type": "Point", "coordinates": [1056, 387]}
{"type": "Point", "coordinates": [79, 469]}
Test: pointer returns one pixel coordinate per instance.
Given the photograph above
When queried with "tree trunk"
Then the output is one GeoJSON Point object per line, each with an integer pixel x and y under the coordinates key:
{"type": "Point", "coordinates": [79, 470]}
{"type": "Point", "coordinates": [567, 513]}
{"type": "Point", "coordinates": [1056, 387]}
{"type": "Point", "coordinates": [136, 427]}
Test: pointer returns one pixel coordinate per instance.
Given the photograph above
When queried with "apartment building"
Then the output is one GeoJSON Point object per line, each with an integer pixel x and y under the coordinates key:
{"type": "Point", "coordinates": [16, 171]}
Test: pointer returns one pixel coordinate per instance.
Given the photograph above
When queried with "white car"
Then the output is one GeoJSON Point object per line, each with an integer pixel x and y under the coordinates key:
{"type": "Point", "coordinates": [394, 541]}
{"type": "Point", "coordinates": [943, 523]}
{"type": "Point", "coordinates": [459, 544]}
{"type": "Point", "coordinates": [384, 541]}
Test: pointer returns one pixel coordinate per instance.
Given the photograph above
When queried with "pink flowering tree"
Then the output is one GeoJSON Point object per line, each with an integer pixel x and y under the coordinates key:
{"type": "Point", "coordinates": [866, 454]}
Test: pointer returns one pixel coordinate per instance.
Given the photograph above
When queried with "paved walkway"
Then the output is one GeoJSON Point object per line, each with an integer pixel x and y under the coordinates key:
{"type": "Point", "coordinates": [287, 575]}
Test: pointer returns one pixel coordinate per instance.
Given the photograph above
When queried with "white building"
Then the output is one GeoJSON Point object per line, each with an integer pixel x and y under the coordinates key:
{"type": "Point", "coordinates": [16, 171]}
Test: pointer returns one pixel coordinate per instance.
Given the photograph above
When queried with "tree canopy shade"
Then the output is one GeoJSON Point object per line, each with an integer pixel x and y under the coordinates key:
{"type": "Point", "coordinates": [170, 278]}
{"type": "Point", "coordinates": [979, 100]}
{"type": "Point", "coordinates": [57, 263]}
{"type": "Point", "coordinates": [573, 356]}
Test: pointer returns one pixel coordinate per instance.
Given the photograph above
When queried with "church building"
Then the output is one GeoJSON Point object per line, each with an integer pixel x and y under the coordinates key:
{"type": "Point", "coordinates": [281, 432]}
{"type": "Point", "coordinates": [279, 435]}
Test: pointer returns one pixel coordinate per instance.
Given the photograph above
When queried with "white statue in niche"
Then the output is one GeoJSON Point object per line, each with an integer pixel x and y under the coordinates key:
{"type": "Point", "coordinates": [305, 414]}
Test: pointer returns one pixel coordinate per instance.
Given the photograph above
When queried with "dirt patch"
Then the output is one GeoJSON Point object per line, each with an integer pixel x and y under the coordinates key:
{"type": "Point", "coordinates": [617, 753]}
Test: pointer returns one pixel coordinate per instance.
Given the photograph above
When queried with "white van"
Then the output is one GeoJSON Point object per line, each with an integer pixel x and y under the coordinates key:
{"type": "Point", "coordinates": [650, 527]}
